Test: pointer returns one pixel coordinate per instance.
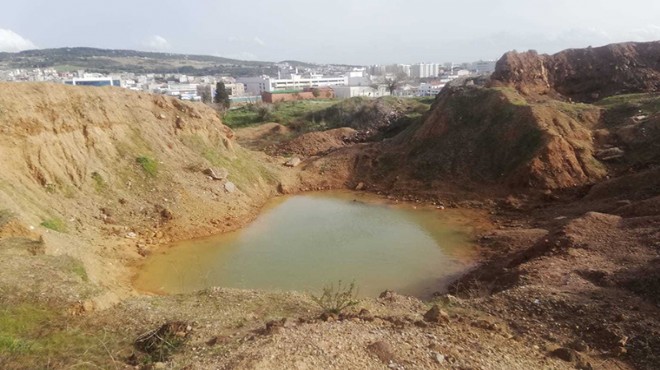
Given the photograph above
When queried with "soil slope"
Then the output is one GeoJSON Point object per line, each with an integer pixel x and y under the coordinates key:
{"type": "Point", "coordinates": [586, 74]}
{"type": "Point", "coordinates": [104, 173]}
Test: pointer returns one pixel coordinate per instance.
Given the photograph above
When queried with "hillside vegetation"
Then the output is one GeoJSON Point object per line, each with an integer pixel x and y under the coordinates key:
{"type": "Point", "coordinates": [112, 61]}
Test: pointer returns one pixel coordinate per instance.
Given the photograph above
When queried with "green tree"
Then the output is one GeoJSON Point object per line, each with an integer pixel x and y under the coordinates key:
{"type": "Point", "coordinates": [221, 95]}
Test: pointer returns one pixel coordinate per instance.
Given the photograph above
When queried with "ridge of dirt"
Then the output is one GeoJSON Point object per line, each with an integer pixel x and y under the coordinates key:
{"type": "Point", "coordinates": [587, 74]}
{"type": "Point", "coordinates": [113, 173]}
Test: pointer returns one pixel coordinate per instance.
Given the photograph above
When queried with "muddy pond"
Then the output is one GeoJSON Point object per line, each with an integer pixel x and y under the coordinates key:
{"type": "Point", "coordinates": [304, 242]}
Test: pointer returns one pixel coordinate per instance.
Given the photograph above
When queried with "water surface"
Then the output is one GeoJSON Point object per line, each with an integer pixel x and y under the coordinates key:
{"type": "Point", "coordinates": [304, 242]}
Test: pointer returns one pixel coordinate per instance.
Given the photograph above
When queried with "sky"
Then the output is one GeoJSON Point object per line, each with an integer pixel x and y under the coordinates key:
{"type": "Point", "coordinates": [330, 31]}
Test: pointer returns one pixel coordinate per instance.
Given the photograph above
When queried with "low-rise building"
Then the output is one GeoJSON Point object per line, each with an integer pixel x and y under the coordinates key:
{"type": "Point", "coordinates": [353, 91]}
{"type": "Point", "coordinates": [258, 85]}
{"type": "Point", "coordinates": [430, 89]}
{"type": "Point", "coordinates": [93, 81]}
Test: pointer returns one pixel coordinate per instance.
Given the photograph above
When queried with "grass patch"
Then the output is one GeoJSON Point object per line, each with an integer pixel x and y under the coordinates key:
{"type": "Point", "coordinates": [512, 95]}
{"type": "Point", "coordinates": [5, 216]}
{"type": "Point", "coordinates": [322, 114]}
{"type": "Point", "coordinates": [244, 171]}
{"type": "Point", "coordinates": [284, 113]}
{"type": "Point", "coordinates": [55, 224]}
{"type": "Point", "coordinates": [619, 108]}
{"type": "Point", "coordinates": [78, 268]}
{"type": "Point", "coordinates": [32, 336]}
{"type": "Point", "coordinates": [99, 182]}
{"type": "Point", "coordinates": [148, 165]}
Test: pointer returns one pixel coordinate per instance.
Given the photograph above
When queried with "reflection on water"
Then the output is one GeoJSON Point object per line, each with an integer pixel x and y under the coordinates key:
{"type": "Point", "coordinates": [307, 241]}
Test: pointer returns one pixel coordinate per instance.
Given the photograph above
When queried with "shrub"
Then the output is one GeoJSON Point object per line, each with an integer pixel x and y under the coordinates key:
{"type": "Point", "coordinates": [55, 224]}
{"type": "Point", "coordinates": [160, 344]}
{"type": "Point", "coordinates": [149, 165]}
{"type": "Point", "coordinates": [99, 182]}
{"type": "Point", "coordinates": [265, 112]}
{"type": "Point", "coordinates": [335, 299]}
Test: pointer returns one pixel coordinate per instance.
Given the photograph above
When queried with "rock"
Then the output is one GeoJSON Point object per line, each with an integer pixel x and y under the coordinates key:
{"type": "Point", "coordinates": [328, 316]}
{"type": "Point", "coordinates": [293, 162]}
{"type": "Point", "coordinates": [439, 358]}
{"type": "Point", "coordinates": [364, 313]}
{"type": "Point", "coordinates": [450, 300]}
{"type": "Point", "coordinates": [161, 116]}
{"type": "Point", "coordinates": [283, 189]}
{"type": "Point", "coordinates": [565, 354]}
{"type": "Point", "coordinates": [619, 351]}
{"type": "Point", "coordinates": [387, 294]}
{"type": "Point", "coordinates": [610, 154]}
{"type": "Point", "coordinates": [579, 345]}
{"type": "Point", "coordinates": [89, 306]}
{"type": "Point", "coordinates": [274, 326]}
{"type": "Point", "coordinates": [131, 235]}
{"type": "Point", "coordinates": [143, 250]}
{"type": "Point", "coordinates": [360, 186]}
{"type": "Point", "coordinates": [230, 187]}
{"type": "Point", "coordinates": [436, 315]}
{"type": "Point", "coordinates": [485, 324]}
{"type": "Point", "coordinates": [381, 350]}
{"type": "Point", "coordinates": [622, 203]}
{"type": "Point", "coordinates": [160, 365]}
{"type": "Point", "coordinates": [166, 214]}
{"type": "Point", "coordinates": [180, 123]}
{"type": "Point", "coordinates": [421, 324]}
{"type": "Point", "coordinates": [216, 174]}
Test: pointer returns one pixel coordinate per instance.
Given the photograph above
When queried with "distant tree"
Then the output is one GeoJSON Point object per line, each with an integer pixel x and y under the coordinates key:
{"type": "Point", "coordinates": [393, 83]}
{"type": "Point", "coordinates": [204, 91]}
{"type": "Point", "coordinates": [221, 95]}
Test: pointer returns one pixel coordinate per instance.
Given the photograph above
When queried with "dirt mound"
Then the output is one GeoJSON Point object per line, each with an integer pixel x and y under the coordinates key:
{"type": "Point", "coordinates": [583, 74]}
{"type": "Point", "coordinates": [495, 135]}
{"type": "Point", "coordinates": [265, 137]}
{"type": "Point", "coordinates": [317, 143]}
{"type": "Point", "coordinates": [104, 173]}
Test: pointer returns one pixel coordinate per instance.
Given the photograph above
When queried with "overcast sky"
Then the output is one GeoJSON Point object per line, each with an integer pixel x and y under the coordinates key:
{"type": "Point", "coordinates": [330, 31]}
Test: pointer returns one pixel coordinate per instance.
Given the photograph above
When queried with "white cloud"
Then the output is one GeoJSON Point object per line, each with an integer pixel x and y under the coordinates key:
{"type": "Point", "coordinates": [13, 42]}
{"type": "Point", "coordinates": [158, 43]}
{"type": "Point", "coordinates": [648, 33]}
{"type": "Point", "coordinates": [242, 55]}
{"type": "Point", "coordinates": [259, 41]}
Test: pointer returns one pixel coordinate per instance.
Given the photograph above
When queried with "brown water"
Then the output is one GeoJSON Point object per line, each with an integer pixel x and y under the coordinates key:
{"type": "Point", "coordinates": [304, 242]}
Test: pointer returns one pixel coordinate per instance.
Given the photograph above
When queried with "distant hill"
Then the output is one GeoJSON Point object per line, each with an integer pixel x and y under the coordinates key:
{"type": "Point", "coordinates": [109, 60]}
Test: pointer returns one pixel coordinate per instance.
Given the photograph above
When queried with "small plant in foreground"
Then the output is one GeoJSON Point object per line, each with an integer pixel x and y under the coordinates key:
{"type": "Point", "coordinates": [55, 224]}
{"type": "Point", "coordinates": [149, 165]}
{"type": "Point", "coordinates": [160, 344]}
{"type": "Point", "coordinates": [335, 299]}
{"type": "Point", "coordinates": [99, 182]}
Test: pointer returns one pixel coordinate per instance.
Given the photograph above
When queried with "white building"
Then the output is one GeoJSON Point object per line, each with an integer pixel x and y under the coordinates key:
{"type": "Point", "coordinates": [257, 85]}
{"type": "Point", "coordinates": [93, 81]}
{"type": "Point", "coordinates": [234, 89]}
{"type": "Point", "coordinates": [424, 70]}
{"type": "Point", "coordinates": [352, 91]}
{"type": "Point", "coordinates": [484, 66]}
{"type": "Point", "coordinates": [429, 89]}
{"type": "Point", "coordinates": [357, 78]}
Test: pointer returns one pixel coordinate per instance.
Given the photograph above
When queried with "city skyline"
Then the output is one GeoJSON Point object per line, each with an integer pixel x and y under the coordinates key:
{"type": "Point", "coordinates": [350, 32]}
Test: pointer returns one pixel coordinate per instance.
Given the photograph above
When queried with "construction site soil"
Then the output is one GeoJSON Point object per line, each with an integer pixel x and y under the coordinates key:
{"type": "Point", "coordinates": [567, 177]}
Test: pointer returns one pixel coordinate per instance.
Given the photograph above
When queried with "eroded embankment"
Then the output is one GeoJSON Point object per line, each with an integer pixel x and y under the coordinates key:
{"type": "Point", "coordinates": [103, 175]}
